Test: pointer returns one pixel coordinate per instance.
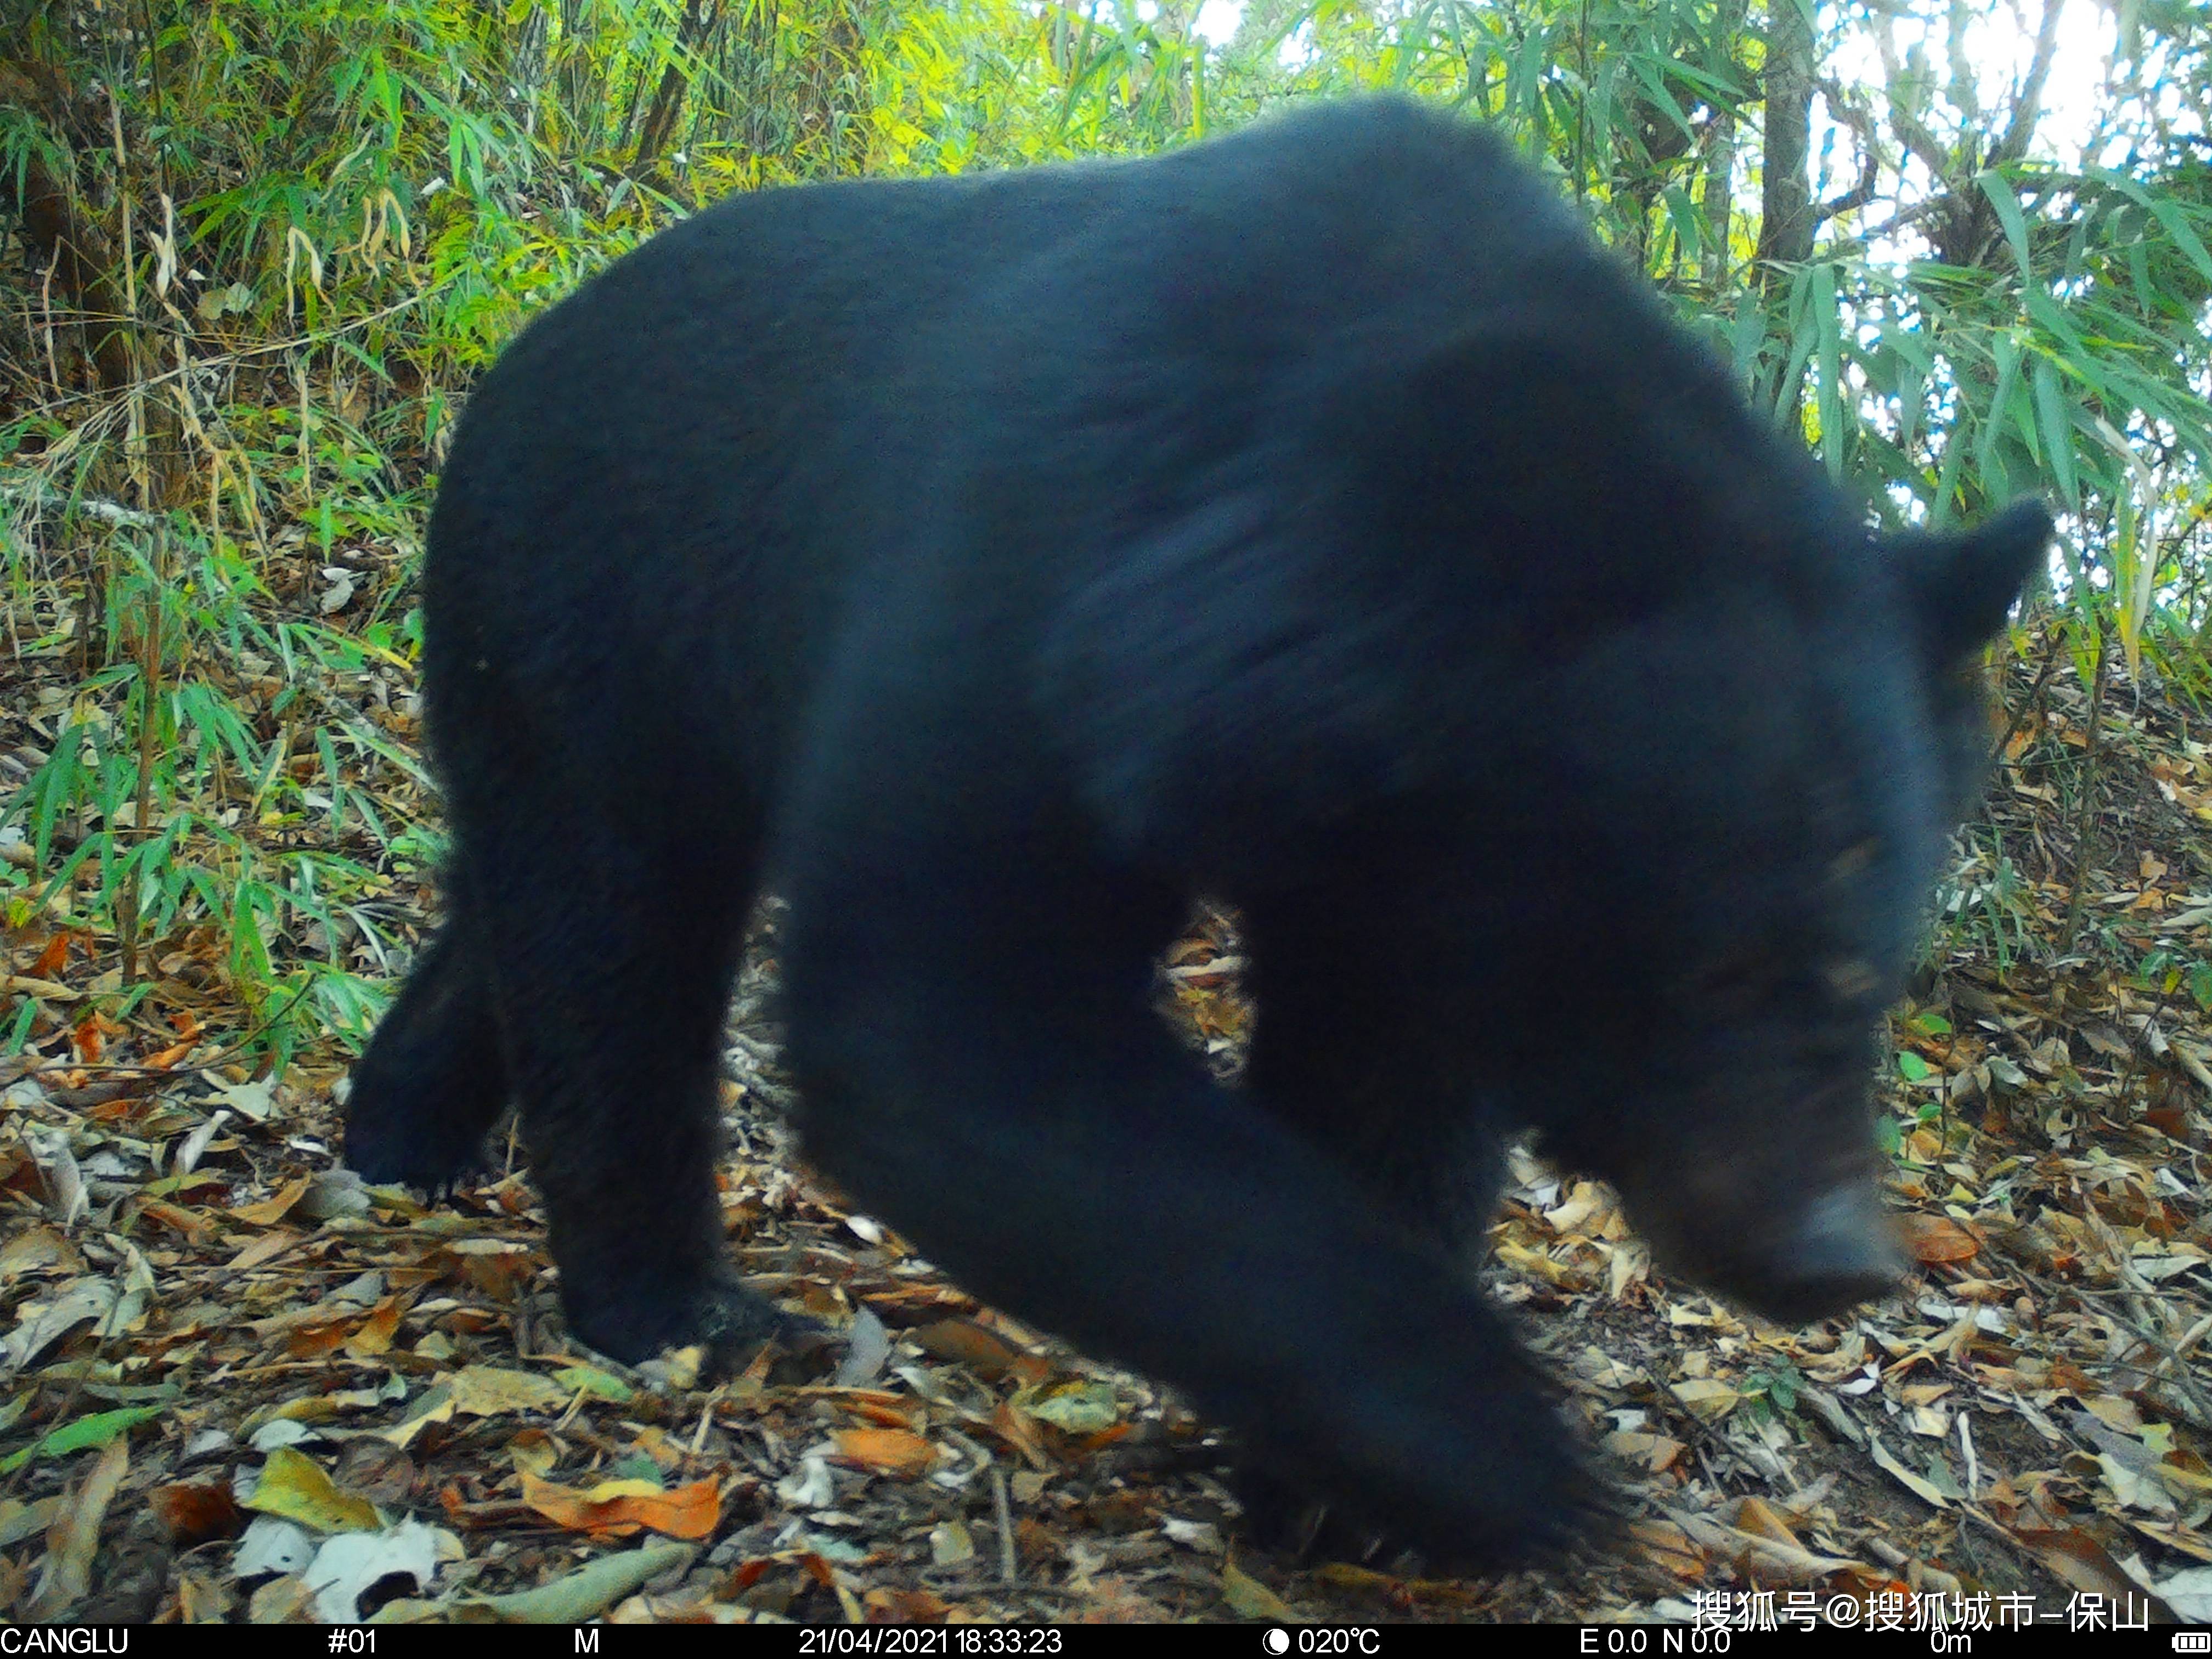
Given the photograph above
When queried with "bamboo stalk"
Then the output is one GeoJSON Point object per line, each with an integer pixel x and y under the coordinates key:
{"type": "Point", "coordinates": [149, 688]}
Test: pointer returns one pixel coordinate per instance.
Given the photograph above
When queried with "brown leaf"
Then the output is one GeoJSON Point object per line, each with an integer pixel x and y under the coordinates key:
{"type": "Point", "coordinates": [887, 1451]}
{"type": "Point", "coordinates": [2169, 1118]}
{"type": "Point", "coordinates": [270, 1211]}
{"type": "Point", "coordinates": [893, 1413]}
{"type": "Point", "coordinates": [90, 1039]}
{"type": "Point", "coordinates": [193, 1511]}
{"type": "Point", "coordinates": [1018, 1430]}
{"type": "Point", "coordinates": [905, 1606]}
{"type": "Point", "coordinates": [374, 1335]}
{"type": "Point", "coordinates": [202, 1599]}
{"type": "Point", "coordinates": [1937, 1238]}
{"type": "Point", "coordinates": [267, 1246]}
{"type": "Point", "coordinates": [54, 958]}
{"type": "Point", "coordinates": [314, 1341]}
{"type": "Point", "coordinates": [193, 1227]}
{"type": "Point", "coordinates": [1667, 1545]}
{"type": "Point", "coordinates": [616, 1509]}
{"type": "Point", "coordinates": [162, 1059]}
{"type": "Point", "coordinates": [1651, 1450]}
{"type": "Point", "coordinates": [285, 1600]}
{"type": "Point", "coordinates": [74, 1538]}
{"type": "Point", "coordinates": [495, 1268]}
{"type": "Point", "coordinates": [1759, 1517]}
{"type": "Point", "coordinates": [2080, 1562]}
{"type": "Point", "coordinates": [965, 1342]}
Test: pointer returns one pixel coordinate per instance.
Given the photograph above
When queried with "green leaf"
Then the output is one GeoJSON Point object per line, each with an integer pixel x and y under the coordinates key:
{"type": "Point", "coordinates": [1648, 73]}
{"type": "Point", "coordinates": [1915, 1069]}
{"type": "Point", "coordinates": [2056, 423]}
{"type": "Point", "coordinates": [2050, 316]}
{"type": "Point", "coordinates": [2200, 985]}
{"type": "Point", "coordinates": [1746, 336]}
{"type": "Point", "coordinates": [1830, 327]}
{"type": "Point", "coordinates": [2166, 210]}
{"type": "Point", "coordinates": [589, 1379]}
{"type": "Point", "coordinates": [1998, 189]}
{"type": "Point", "coordinates": [2005, 351]}
{"type": "Point", "coordinates": [1688, 223]}
{"type": "Point", "coordinates": [85, 1432]}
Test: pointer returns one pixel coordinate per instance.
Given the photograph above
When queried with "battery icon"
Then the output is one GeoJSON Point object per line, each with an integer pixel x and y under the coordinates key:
{"type": "Point", "coordinates": [2192, 1641]}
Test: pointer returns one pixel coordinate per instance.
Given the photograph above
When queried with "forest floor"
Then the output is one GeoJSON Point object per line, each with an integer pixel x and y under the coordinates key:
{"type": "Point", "coordinates": [236, 1384]}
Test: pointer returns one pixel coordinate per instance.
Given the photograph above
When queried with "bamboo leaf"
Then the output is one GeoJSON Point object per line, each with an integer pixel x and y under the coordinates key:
{"type": "Point", "coordinates": [1994, 185]}
{"type": "Point", "coordinates": [2057, 427]}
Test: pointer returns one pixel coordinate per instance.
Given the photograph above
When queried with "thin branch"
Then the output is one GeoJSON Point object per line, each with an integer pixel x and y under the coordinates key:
{"type": "Point", "coordinates": [1861, 122]}
{"type": "Point", "coordinates": [2029, 109]}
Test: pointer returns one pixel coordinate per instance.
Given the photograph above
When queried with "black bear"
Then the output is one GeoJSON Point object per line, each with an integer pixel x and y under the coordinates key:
{"type": "Point", "coordinates": [1314, 519]}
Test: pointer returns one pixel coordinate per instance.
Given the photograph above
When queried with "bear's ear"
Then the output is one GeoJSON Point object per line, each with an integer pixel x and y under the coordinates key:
{"type": "Point", "coordinates": [1964, 581]}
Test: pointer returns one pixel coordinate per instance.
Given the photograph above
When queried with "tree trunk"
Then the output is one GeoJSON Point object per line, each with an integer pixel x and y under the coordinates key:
{"type": "Point", "coordinates": [1720, 161]}
{"type": "Point", "coordinates": [668, 99]}
{"type": "Point", "coordinates": [1785, 221]}
{"type": "Point", "coordinates": [70, 244]}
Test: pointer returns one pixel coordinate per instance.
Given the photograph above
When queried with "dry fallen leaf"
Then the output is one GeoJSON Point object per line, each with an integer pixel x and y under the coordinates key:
{"type": "Point", "coordinates": [272, 1210]}
{"type": "Point", "coordinates": [887, 1451]}
{"type": "Point", "coordinates": [1937, 1238]}
{"type": "Point", "coordinates": [74, 1538]}
{"type": "Point", "coordinates": [1708, 1399]}
{"type": "Point", "coordinates": [2080, 1562]}
{"type": "Point", "coordinates": [1653, 1452]}
{"type": "Point", "coordinates": [1669, 1546]}
{"type": "Point", "coordinates": [374, 1333]}
{"type": "Point", "coordinates": [1919, 1485]}
{"type": "Point", "coordinates": [495, 1391]}
{"type": "Point", "coordinates": [193, 1511]}
{"type": "Point", "coordinates": [617, 1509]}
{"type": "Point", "coordinates": [1248, 1598]}
{"type": "Point", "coordinates": [965, 1342]}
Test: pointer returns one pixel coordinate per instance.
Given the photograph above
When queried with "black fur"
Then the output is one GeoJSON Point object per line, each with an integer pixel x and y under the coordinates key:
{"type": "Point", "coordinates": [1314, 519]}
